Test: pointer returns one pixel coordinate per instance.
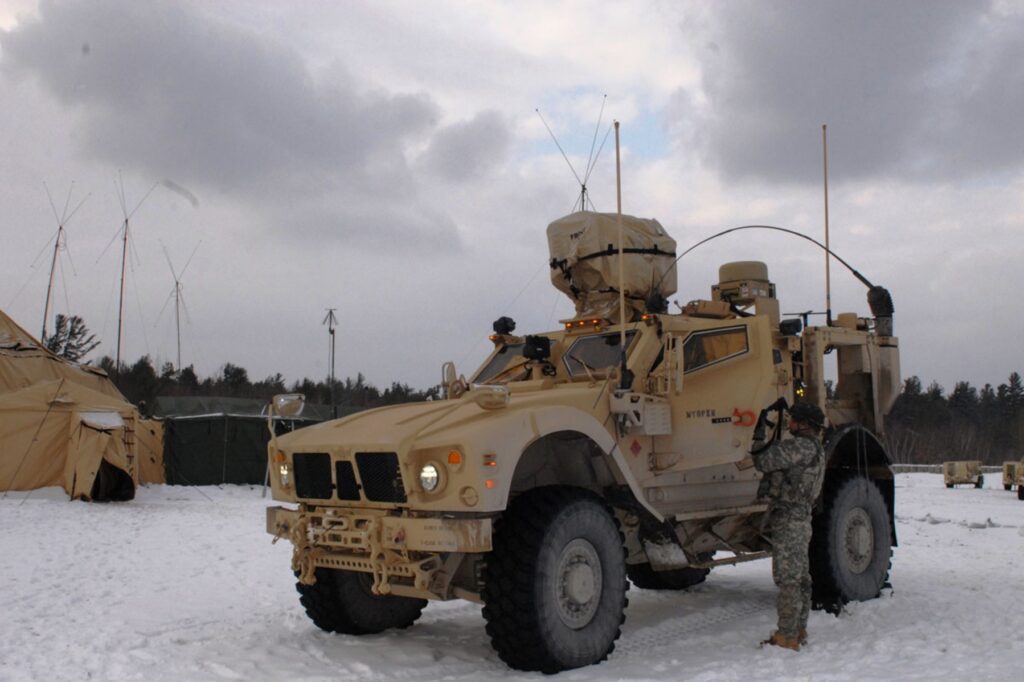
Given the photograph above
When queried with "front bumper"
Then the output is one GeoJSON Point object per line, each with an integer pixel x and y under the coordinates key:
{"type": "Point", "coordinates": [406, 555]}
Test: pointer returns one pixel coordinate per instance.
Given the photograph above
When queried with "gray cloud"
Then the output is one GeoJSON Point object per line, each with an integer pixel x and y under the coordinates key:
{"type": "Point", "coordinates": [166, 91]}
{"type": "Point", "coordinates": [469, 149]}
{"type": "Point", "coordinates": [917, 89]}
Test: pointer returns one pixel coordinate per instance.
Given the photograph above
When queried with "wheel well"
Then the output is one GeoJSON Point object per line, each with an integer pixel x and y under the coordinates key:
{"type": "Point", "coordinates": [563, 458]}
{"type": "Point", "coordinates": [854, 451]}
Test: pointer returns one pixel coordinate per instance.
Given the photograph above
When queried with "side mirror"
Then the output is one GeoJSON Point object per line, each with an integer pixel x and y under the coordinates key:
{"type": "Point", "coordinates": [452, 385]}
{"type": "Point", "coordinates": [288, 404]}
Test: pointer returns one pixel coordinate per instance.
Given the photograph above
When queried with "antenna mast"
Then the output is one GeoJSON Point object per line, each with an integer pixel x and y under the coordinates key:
{"type": "Point", "coordinates": [120, 305]}
{"type": "Point", "coordinates": [828, 258]}
{"type": "Point", "coordinates": [62, 220]}
{"type": "Point", "coordinates": [179, 294]}
{"type": "Point", "coordinates": [625, 379]}
{"type": "Point", "coordinates": [124, 263]}
{"type": "Point", "coordinates": [331, 320]}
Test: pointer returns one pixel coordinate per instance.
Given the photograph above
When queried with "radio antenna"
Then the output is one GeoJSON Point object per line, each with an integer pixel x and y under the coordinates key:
{"type": "Point", "coordinates": [125, 238]}
{"type": "Point", "coordinates": [625, 379]}
{"type": "Point", "coordinates": [828, 254]}
{"type": "Point", "coordinates": [331, 320]}
{"type": "Point", "coordinates": [62, 220]}
{"type": "Point", "coordinates": [591, 158]}
{"type": "Point", "coordinates": [178, 295]}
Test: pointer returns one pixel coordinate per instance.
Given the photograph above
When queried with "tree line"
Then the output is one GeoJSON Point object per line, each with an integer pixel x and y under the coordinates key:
{"type": "Point", "coordinates": [141, 384]}
{"type": "Point", "coordinates": [928, 426]}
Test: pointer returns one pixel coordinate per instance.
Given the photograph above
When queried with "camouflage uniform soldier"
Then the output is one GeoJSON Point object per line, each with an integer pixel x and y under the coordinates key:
{"type": "Point", "coordinates": [794, 470]}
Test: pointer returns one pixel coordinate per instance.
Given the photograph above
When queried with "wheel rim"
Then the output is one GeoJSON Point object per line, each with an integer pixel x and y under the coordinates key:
{"type": "Point", "coordinates": [858, 538]}
{"type": "Point", "coordinates": [579, 583]}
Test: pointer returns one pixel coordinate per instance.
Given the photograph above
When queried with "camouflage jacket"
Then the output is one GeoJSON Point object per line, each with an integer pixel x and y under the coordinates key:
{"type": "Point", "coordinates": [794, 470]}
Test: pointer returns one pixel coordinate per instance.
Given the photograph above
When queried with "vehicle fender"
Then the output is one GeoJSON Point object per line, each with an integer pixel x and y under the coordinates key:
{"type": "Point", "coordinates": [542, 421]}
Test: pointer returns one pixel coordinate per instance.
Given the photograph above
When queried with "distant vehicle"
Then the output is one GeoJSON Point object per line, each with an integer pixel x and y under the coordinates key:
{"type": "Point", "coordinates": [966, 472]}
{"type": "Point", "coordinates": [1011, 472]}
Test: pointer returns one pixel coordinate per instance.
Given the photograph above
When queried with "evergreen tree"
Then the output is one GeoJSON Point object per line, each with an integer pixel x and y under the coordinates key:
{"type": "Point", "coordinates": [71, 339]}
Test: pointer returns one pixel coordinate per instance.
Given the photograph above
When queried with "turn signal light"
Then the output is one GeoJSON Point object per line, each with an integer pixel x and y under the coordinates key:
{"type": "Point", "coordinates": [454, 458]}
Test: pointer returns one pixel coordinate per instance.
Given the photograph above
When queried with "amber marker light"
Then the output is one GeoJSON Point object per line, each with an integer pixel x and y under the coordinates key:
{"type": "Point", "coordinates": [490, 484]}
{"type": "Point", "coordinates": [454, 458]}
{"type": "Point", "coordinates": [279, 457]}
{"type": "Point", "coordinates": [490, 461]}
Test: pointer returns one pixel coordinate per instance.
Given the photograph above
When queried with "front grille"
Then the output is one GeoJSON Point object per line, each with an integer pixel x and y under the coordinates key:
{"type": "Point", "coordinates": [348, 488]}
{"type": "Point", "coordinates": [382, 479]}
{"type": "Point", "coordinates": [313, 475]}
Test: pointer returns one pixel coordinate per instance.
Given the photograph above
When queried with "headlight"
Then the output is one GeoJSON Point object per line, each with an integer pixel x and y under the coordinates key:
{"type": "Point", "coordinates": [430, 477]}
{"type": "Point", "coordinates": [285, 475]}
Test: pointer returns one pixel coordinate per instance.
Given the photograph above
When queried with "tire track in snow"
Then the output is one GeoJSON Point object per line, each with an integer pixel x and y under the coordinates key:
{"type": "Point", "coordinates": [648, 638]}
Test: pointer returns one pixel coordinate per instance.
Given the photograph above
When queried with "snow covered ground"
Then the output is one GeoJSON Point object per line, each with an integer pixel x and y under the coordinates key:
{"type": "Point", "coordinates": [183, 584]}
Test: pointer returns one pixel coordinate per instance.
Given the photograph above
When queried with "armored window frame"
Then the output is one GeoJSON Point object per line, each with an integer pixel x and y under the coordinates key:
{"type": "Point", "coordinates": [583, 349]}
{"type": "Point", "coordinates": [501, 360]}
{"type": "Point", "coordinates": [700, 349]}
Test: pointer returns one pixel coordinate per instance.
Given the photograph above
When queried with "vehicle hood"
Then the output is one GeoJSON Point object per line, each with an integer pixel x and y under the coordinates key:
{"type": "Point", "coordinates": [397, 427]}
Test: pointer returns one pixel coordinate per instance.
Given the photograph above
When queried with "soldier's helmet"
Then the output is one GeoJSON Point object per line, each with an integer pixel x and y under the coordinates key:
{"type": "Point", "coordinates": [808, 414]}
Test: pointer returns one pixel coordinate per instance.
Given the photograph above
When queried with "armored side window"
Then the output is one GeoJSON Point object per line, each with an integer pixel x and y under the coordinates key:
{"type": "Point", "coordinates": [706, 348]}
{"type": "Point", "coordinates": [596, 353]}
{"type": "Point", "coordinates": [502, 359]}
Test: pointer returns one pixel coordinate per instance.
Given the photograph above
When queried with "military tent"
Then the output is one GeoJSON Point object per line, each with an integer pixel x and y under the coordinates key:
{"type": "Point", "coordinates": [57, 432]}
{"type": "Point", "coordinates": [62, 423]}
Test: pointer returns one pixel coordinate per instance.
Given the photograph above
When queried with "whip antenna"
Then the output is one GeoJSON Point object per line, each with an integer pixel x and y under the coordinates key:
{"type": "Point", "coordinates": [828, 255]}
{"type": "Point", "coordinates": [625, 379]}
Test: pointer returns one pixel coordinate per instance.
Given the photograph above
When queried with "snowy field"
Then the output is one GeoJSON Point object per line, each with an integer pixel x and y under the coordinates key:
{"type": "Point", "coordinates": [183, 584]}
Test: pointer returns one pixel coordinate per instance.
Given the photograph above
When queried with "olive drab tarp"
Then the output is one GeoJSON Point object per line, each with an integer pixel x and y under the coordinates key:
{"type": "Point", "coordinates": [61, 423]}
{"type": "Point", "coordinates": [585, 263]}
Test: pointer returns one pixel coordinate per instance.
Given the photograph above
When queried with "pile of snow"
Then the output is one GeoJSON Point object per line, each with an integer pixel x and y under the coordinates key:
{"type": "Point", "coordinates": [184, 584]}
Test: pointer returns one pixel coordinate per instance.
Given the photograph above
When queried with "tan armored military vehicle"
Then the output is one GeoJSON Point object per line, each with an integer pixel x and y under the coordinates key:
{"type": "Point", "coordinates": [1010, 474]}
{"type": "Point", "coordinates": [966, 472]}
{"type": "Point", "coordinates": [616, 446]}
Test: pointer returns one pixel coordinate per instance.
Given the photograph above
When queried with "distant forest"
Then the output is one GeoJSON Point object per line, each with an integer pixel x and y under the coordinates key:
{"type": "Point", "coordinates": [142, 384]}
{"type": "Point", "coordinates": [925, 426]}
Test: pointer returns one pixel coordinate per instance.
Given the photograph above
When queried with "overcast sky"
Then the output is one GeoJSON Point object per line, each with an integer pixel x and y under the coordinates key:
{"type": "Point", "coordinates": [386, 159]}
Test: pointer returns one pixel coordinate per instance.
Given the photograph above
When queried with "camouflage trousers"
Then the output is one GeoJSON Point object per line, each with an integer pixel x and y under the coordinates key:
{"type": "Point", "coordinates": [791, 536]}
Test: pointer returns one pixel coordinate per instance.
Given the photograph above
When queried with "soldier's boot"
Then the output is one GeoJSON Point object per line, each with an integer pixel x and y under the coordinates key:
{"type": "Point", "coordinates": [782, 641]}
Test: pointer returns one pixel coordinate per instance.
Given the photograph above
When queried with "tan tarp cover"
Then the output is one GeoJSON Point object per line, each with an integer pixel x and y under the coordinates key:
{"type": "Point", "coordinates": [24, 362]}
{"type": "Point", "coordinates": [149, 449]}
{"type": "Point", "coordinates": [58, 432]}
{"type": "Point", "coordinates": [60, 421]}
{"type": "Point", "coordinates": [584, 262]}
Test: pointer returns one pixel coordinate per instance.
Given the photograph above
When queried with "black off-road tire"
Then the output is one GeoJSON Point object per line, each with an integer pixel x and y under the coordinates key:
{"type": "Point", "coordinates": [851, 547]}
{"type": "Point", "coordinates": [555, 582]}
{"type": "Point", "coordinates": [1020, 492]}
{"type": "Point", "coordinates": [1007, 487]}
{"type": "Point", "coordinates": [980, 483]}
{"type": "Point", "coordinates": [341, 601]}
{"type": "Point", "coordinates": [949, 485]}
